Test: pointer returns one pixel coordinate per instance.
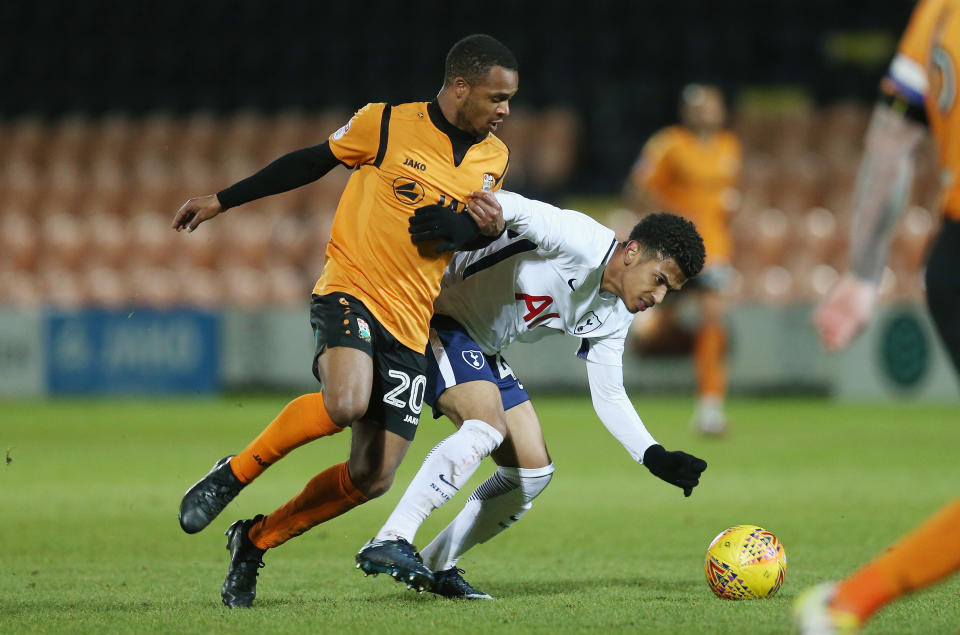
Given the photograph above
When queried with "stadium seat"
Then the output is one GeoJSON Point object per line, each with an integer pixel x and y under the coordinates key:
{"type": "Point", "coordinates": [19, 240]}
{"type": "Point", "coordinates": [106, 287]}
{"type": "Point", "coordinates": [20, 289]}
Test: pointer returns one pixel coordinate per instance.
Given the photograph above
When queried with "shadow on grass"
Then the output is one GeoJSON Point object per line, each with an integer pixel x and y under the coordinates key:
{"type": "Point", "coordinates": [663, 590]}
{"type": "Point", "coordinates": [660, 590]}
{"type": "Point", "coordinates": [657, 590]}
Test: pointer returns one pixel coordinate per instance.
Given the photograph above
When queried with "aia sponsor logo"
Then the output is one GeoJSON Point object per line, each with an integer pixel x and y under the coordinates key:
{"type": "Point", "coordinates": [536, 307]}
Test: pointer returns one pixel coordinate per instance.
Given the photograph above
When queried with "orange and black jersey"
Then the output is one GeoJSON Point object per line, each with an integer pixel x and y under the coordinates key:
{"type": "Point", "coordinates": [923, 78]}
{"type": "Point", "coordinates": [692, 176]}
{"type": "Point", "coordinates": [404, 157]}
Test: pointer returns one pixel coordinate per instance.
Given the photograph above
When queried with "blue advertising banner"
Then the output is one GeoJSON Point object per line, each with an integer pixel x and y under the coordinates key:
{"type": "Point", "coordinates": [134, 351]}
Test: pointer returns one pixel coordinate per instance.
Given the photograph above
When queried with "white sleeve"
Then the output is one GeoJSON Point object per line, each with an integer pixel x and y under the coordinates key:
{"type": "Point", "coordinates": [602, 350]}
{"type": "Point", "coordinates": [615, 410]}
{"type": "Point", "coordinates": [554, 229]}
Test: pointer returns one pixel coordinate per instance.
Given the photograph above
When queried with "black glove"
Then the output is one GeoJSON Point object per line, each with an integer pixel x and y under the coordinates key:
{"type": "Point", "coordinates": [434, 222]}
{"type": "Point", "coordinates": [677, 467]}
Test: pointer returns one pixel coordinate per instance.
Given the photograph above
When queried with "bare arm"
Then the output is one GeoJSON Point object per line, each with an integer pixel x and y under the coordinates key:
{"type": "Point", "coordinates": [883, 183]}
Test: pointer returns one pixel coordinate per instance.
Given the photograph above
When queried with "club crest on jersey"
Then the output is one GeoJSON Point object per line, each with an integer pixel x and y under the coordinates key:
{"type": "Point", "coordinates": [474, 358]}
{"type": "Point", "coordinates": [408, 191]}
{"type": "Point", "coordinates": [488, 181]}
{"type": "Point", "coordinates": [363, 329]}
{"type": "Point", "coordinates": [589, 322]}
{"type": "Point", "coordinates": [344, 129]}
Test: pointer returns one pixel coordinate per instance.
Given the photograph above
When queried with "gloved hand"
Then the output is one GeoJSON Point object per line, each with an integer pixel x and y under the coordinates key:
{"type": "Point", "coordinates": [434, 222]}
{"type": "Point", "coordinates": [677, 467]}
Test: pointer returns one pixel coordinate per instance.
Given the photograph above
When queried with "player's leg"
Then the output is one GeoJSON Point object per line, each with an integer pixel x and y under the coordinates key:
{"type": "Point", "coordinates": [943, 287]}
{"type": "Point", "coordinates": [926, 555]}
{"type": "Point", "coordinates": [710, 352]}
{"type": "Point", "coordinates": [460, 383]}
{"type": "Point", "coordinates": [447, 468]}
{"type": "Point", "coordinates": [346, 375]}
{"type": "Point", "coordinates": [375, 454]}
{"type": "Point", "coordinates": [524, 471]}
{"type": "Point", "coordinates": [451, 463]}
{"type": "Point", "coordinates": [343, 365]}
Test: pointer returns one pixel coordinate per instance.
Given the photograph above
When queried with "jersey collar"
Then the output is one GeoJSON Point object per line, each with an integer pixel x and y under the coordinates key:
{"type": "Point", "coordinates": [606, 295]}
{"type": "Point", "coordinates": [460, 140]}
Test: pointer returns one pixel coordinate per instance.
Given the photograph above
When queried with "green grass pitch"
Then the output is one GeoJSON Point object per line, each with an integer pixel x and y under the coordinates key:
{"type": "Point", "coordinates": [90, 541]}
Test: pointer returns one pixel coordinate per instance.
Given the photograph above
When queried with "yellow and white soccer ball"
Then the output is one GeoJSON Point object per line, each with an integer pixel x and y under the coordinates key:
{"type": "Point", "coordinates": [745, 562]}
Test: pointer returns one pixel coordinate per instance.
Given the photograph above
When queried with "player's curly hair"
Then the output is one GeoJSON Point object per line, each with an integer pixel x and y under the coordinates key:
{"type": "Point", "coordinates": [472, 58]}
{"type": "Point", "coordinates": [670, 236]}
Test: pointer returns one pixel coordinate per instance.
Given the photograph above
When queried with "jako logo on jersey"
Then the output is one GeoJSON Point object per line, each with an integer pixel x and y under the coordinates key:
{"type": "Point", "coordinates": [364, 329]}
{"type": "Point", "coordinates": [474, 358]}
{"type": "Point", "coordinates": [407, 190]}
{"type": "Point", "coordinates": [416, 165]}
{"type": "Point", "coordinates": [589, 322]}
{"type": "Point", "coordinates": [342, 131]}
{"type": "Point", "coordinates": [488, 181]}
{"type": "Point", "coordinates": [411, 419]}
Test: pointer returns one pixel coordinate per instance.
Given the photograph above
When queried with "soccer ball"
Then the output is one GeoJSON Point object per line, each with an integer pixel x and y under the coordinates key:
{"type": "Point", "coordinates": [745, 562]}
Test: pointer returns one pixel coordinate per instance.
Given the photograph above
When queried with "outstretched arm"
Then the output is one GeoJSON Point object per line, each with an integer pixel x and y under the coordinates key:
{"type": "Point", "coordinates": [286, 173]}
{"type": "Point", "coordinates": [621, 419]}
{"type": "Point", "coordinates": [883, 183]}
{"type": "Point", "coordinates": [615, 410]}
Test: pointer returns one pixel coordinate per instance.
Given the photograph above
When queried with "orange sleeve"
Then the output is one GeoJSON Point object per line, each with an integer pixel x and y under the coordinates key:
{"type": "Point", "coordinates": [358, 141]}
{"type": "Point", "coordinates": [736, 154]}
{"type": "Point", "coordinates": [652, 171]}
{"type": "Point", "coordinates": [916, 38]}
{"type": "Point", "coordinates": [907, 76]}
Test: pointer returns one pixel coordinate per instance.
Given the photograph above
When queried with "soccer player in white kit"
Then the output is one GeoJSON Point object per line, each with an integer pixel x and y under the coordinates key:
{"type": "Point", "coordinates": [552, 271]}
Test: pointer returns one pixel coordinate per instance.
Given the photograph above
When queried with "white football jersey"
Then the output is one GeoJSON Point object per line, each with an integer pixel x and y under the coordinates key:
{"type": "Point", "coordinates": [541, 277]}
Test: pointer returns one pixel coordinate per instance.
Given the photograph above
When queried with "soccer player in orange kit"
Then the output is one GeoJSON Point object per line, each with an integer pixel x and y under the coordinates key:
{"type": "Point", "coordinates": [692, 170]}
{"type": "Point", "coordinates": [918, 93]}
{"type": "Point", "coordinates": [371, 307]}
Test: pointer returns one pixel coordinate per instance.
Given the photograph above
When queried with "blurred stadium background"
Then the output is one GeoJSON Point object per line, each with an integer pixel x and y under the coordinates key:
{"type": "Point", "coordinates": [114, 113]}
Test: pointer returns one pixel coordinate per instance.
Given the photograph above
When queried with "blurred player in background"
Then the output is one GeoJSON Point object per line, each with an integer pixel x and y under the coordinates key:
{"type": "Point", "coordinates": [692, 170]}
{"type": "Point", "coordinates": [372, 304]}
{"type": "Point", "coordinates": [555, 271]}
{"type": "Point", "coordinates": [918, 93]}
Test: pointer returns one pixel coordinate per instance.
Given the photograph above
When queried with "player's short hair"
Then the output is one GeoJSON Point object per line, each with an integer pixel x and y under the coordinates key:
{"type": "Point", "coordinates": [671, 236]}
{"type": "Point", "coordinates": [693, 93]}
{"type": "Point", "coordinates": [472, 58]}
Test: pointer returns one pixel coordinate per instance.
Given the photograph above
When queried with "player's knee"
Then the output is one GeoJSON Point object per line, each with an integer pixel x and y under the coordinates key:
{"type": "Point", "coordinates": [533, 481]}
{"type": "Point", "coordinates": [372, 481]}
{"type": "Point", "coordinates": [379, 487]}
{"type": "Point", "coordinates": [344, 406]}
{"type": "Point", "coordinates": [497, 421]}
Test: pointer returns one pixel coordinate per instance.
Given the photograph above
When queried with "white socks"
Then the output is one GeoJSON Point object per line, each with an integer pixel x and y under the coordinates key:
{"type": "Point", "coordinates": [446, 469]}
{"type": "Point", "coordinates": [709, 417]}
{"type": "Point", "coordinates": [498, 503]}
